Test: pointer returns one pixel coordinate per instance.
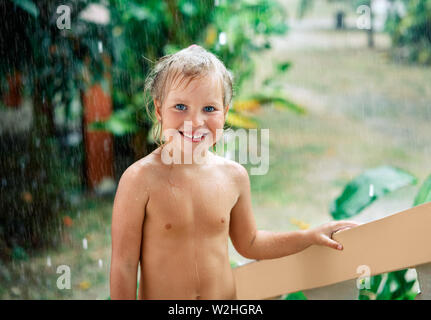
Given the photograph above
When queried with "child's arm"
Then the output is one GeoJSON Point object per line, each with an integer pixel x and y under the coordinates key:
{"type": "Point", "coordinates": [259, 244]}
{"type": "Point", "coordinates": [127, 220]}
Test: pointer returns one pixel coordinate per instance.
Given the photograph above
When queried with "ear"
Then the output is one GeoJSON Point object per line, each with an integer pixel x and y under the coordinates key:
{"type": "Point", "coordinates": [158, 109]}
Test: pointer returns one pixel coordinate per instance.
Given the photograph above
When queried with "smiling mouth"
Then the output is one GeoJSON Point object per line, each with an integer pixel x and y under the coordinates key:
{"type": "Point", "coordinates": [193, 138]}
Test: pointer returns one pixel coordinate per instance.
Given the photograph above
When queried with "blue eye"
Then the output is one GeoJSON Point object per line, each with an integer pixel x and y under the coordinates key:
{"type": "Point", "coordinates": [180, 107]}
{"type": "Point", "coordinates": [209, 109]}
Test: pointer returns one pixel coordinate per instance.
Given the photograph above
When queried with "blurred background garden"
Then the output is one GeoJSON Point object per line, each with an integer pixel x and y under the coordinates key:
{"type": "Point", "coordinates": [344, 87]}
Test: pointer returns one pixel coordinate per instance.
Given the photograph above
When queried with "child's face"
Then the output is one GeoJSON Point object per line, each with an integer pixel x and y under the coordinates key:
{"type": "Point", "coordinates": [194, 110]}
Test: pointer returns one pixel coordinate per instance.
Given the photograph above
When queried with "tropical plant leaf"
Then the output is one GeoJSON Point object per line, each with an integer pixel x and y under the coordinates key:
{"type": "Point", "coordinates": [424, 194]}
{"type": "Point", "coordinates": [246, 105]}
{"type": "Point", "coordinates": [356, 195]}
{"type": "Point", "coordinates": [279, 101]}
{"type": "Point", "coordinates": [241, 121]}
{"type": "Point", "coordinates": [28, 6]}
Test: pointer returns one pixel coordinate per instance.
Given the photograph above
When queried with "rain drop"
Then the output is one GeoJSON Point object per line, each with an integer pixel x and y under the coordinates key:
{"type": "Point", "coordinates": [222, 38]}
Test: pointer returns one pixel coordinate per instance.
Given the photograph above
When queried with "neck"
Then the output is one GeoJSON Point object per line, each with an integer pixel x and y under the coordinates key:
{"type": "Point", "coordinates": [177, 157]}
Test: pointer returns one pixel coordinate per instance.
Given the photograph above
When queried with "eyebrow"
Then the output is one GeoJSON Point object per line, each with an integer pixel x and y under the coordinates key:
{"type": "Point", "coordinates": [184, 101]}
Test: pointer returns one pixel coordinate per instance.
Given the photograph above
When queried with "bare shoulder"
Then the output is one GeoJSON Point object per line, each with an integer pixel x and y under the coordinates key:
{"type": "Point", "coordinates": [234, 169]}
{"type": "Point", "coordinates": [142, 172]}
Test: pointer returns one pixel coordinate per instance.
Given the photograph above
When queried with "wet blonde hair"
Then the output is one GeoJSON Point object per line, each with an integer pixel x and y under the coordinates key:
{"type": "Point", "coordinates": [188, 64]}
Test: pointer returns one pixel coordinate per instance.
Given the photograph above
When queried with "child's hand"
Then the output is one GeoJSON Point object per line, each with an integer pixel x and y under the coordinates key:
{"type": "Point", "coordinates": [322, 235]}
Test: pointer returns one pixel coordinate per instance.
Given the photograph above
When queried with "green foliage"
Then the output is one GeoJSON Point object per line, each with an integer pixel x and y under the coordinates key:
{"type": "Point", "coordinates": [356, 195]}
{"type": "Point", "coordinates": [390, 286]}
{"type": "Point", "coordinates": [355, 198]}
{"type": "Point", "coordinates": [52, 60]}
{"type": "Point", "coordinates": [247, 26]}
{"type": "Point", "coordinates": [19, 253]}
{"type": "Point", "coordinates": [284, 66]}
{"type": "Point", "coordinates": [120, 123]}
{"type": "Point", "coordinates": [411, 31]}
{"type": "Point", "coordinates": [28, 6]}
{"type": "Point", "coordinates": [278, 100]}
{"type": "Point", "coordinates": [424, 194]}
{"type": "Point", "coordinates": [306, 5]}
{"type": "Point", "coordinates": [143, 31]}
{"type": "Point", "coordinates": [31, 194]}
{"type": "Point", "coordinates": [295, 296]}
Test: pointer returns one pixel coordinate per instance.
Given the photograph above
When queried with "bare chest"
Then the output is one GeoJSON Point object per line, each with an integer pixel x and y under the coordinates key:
{"type": "Point", "coordinates": [191, 203]}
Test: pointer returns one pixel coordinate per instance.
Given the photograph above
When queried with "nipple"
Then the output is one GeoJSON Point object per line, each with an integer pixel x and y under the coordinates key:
{"type": "Point", "coordinates": [222, 220]}
{"type": "Point", "coordinates": [168, 226]}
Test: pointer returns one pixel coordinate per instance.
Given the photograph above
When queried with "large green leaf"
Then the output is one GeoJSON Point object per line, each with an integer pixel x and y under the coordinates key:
{"type": "Point", "coordinates": [424, 194]}
{"type": "Point", "coordinates": [356, 195]}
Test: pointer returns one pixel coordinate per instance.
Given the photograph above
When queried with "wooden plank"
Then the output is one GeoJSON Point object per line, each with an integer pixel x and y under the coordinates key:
{"type": "Point", "coordinates": [392, 243]}
{"type": "Point", "coordinates": [346, 290]}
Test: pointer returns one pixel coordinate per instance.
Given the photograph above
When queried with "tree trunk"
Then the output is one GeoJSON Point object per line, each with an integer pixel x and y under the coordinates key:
{"type": "Point", "coordinates": [13, 97]}
{"type": "Point", "coordinates": [98, 145]}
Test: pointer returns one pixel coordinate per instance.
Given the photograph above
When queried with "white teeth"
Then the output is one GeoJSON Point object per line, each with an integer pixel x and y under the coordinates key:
{"type": "Point", "coordinates": [192, 137]}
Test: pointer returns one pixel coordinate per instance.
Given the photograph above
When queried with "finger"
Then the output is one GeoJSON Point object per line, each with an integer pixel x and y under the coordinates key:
{"type": "Point", "coordinates": [332, 243]}
{"type": "Point", "coordinates": [341, 229]}
{"type": "Point", "coordinates": [346, 224]}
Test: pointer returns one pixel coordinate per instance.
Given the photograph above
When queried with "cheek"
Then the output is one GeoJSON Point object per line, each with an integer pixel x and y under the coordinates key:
{"type": "Point", "coordinates": [171, 120]}
{"type": "Point", "coordinates": [216, 122]}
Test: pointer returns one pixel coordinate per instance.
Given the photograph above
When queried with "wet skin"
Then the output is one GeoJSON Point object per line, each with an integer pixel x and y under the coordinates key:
{"type": "Point", "coordinates": [185, 232]}
{"type": "Point", "coordinates": [183, 241]}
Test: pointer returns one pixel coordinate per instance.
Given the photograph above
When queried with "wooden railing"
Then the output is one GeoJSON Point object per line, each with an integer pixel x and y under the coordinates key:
{"type": "Point", "coordinates": [395, 242]}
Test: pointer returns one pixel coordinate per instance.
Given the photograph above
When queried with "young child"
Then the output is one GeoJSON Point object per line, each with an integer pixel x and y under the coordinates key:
{"type": "Point", "coordinates": [175, 217]}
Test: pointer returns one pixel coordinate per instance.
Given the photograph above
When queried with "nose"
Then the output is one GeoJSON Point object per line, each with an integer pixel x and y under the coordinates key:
{"type": "Point", "coordinates": [197, 119]}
